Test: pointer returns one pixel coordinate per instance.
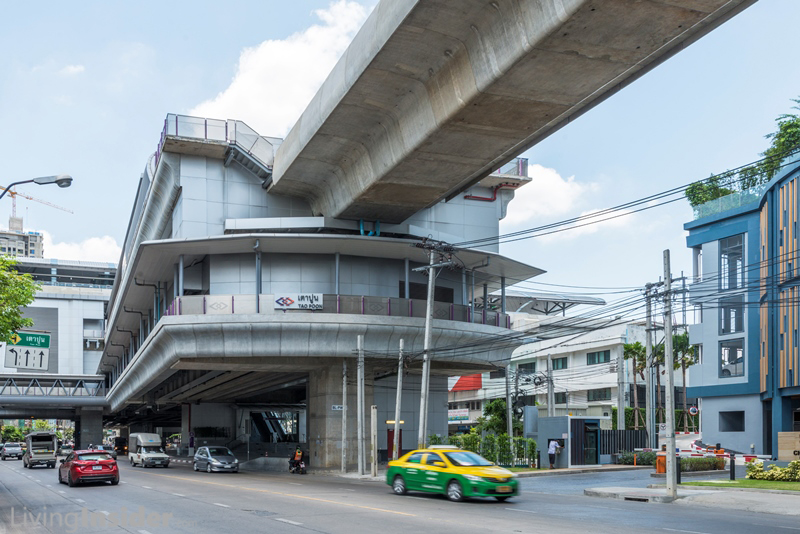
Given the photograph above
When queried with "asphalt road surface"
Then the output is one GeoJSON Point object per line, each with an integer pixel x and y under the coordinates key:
{"type": "Point", "coordinates": [178, 500]}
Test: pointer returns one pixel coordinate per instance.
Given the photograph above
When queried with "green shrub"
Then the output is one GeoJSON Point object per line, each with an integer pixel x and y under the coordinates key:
{"type": "Point", "coordinates": [435, 439]}
{"type": "Point", "coordinates": [702, 464]}
{"type": "Point", "coordinates": [642, 458]}
{"type": "Point", "coordinates": [790, 473]}
{"type": "Point", "coordinates": [489, 447]}
{"type": "Point", "coordinates": [471, 442]}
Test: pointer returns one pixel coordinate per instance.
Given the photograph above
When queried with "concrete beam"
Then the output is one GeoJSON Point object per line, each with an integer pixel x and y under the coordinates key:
{"type": "Point", "coordinates": [433, 95]}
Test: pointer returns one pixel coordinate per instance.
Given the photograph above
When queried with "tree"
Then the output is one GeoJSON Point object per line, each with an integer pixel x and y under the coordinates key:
{"type": "Point", "coordinates": [683, 357]}
{"type": "Point", "coordinates": [41, 425]}
{"type": "Point", "coordinates": [785, 142]}
{"type": "Point", "coordinates": [494, 418]}
{"type": "Point", "coordinates": [637, 353]}
{"type": "Point", "coordinates": [16, 291]}
{"type": "Point", "coordinates": [12, 433]}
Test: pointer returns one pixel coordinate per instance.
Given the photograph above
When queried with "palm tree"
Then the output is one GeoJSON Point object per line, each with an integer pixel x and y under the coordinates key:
{"type": "Point", "coordinates": [683, 357]}
{"type": "Point", "coordinates": [636, 352]}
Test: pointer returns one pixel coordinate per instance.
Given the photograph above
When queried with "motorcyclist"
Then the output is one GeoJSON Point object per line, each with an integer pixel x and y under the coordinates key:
{"type": "Point", "coordinates": [296, 458]}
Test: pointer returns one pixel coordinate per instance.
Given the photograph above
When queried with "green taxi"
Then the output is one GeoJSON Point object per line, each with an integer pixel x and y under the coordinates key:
{"type": "Point", "coordinates": [454, 472]}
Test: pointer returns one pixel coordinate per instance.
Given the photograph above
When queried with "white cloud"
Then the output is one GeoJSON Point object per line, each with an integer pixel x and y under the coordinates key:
{"type": "Point", "coordinates": [72, 70]}
{"type": "Point", "coordinates": [103, 248]}
{"type": "Point", "coordinates": [276, 80]}
{"type": "Point", "coordinates": [547, 195]}
{"type": "Point", "coordinates": [591, 224]}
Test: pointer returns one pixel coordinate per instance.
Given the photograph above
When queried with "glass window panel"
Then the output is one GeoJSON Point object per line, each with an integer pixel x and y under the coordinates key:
{"type": "Point", "coordinates": [731, 358]}
{"type": "Point", "coordinates": [731, 315]}
{"type": "Point", "coordinates": [731, 258]}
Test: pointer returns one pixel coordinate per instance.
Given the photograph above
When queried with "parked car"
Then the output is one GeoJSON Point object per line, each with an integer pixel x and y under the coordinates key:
{"type": "Point", "coordinates": [11, 450]}
{"type": "Point", "coordinates": [215, 459]}
{"type": "Point", "coordinates": [454, 472]}
{"type": "Point", "coordinates": [88, 466]}
{"type": "Point", "coordinates": [107, 448]}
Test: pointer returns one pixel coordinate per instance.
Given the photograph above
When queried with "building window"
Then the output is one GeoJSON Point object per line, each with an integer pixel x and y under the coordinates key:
{"type": "Point", "coordinates": [593, 358]}
{"type": "Point", "coordinates": [561, 397]}
{"type": "Point", "coordinates": [731, 315]}
{"type": "Point", "coordinates": [731, 421]}
{"type": "Point", "coordinates": [500, 373]}
{"type": "Point", "coordinates": [731, 358]}
{"type": "Point", "coordinates": [559, 363]}
{"type": "Point", "coordinates": [526, 367]}
{"type": "Point", "coordinates": [698, 353]}
{"type": "Point", "coordinates": [731, 257]}
{"type": "Point", "coordinates": [599, 394]}
{"type": "Point", "coordinates": [420, 292]}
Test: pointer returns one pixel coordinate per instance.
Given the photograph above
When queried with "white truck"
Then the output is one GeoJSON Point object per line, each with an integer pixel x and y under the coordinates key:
{"type": "Point", "coordinates": [145, 450]}
{"type": "Point", "coordinates": [41, 449]}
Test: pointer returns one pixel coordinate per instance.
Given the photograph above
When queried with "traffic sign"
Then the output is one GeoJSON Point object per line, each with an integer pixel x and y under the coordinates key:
{"type": "Point", "coordinates": [28, 350]}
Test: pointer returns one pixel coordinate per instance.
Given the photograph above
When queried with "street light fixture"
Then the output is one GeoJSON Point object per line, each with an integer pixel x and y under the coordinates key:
{"type": "Point", "coordinates": [61, 180]}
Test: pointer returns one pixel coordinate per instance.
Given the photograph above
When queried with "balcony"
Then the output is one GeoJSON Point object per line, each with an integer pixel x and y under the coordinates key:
{"type": "Point", "coordinates": [728, 202]}
{"type": "Point", "coordinates": [338, 304]}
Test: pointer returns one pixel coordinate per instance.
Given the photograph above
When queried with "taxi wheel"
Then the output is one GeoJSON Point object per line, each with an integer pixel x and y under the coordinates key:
{"type": "Point", "coordinates": [502, 499]}
{"type": "Point", "coordinates": [454, 491]}
{"type": "Point", "coordinates": [399, 485]}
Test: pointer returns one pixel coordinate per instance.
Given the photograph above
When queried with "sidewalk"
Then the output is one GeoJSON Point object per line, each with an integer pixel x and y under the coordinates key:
{"type": "Point", "coordinates": [524, 474]}
{"type": "Point", "coordinates": [769, 502]}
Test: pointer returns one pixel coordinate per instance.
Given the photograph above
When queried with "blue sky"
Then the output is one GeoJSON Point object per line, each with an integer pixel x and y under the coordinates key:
{"type": "Point", "coordinates": [85, 91]}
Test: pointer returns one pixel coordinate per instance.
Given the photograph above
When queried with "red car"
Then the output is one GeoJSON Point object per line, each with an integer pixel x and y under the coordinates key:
{"type": "Point", "coordinates": [88, 466]}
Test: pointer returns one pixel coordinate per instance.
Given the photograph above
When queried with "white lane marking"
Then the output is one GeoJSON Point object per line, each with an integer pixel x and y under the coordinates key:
{"type": "Point", "coordinates": [220, 504]}
{"type": "Point", "coordinates": [791, 528]}
{"type": "Point", "coordinates": [296, 484]}
{"type": "Point", "coordinates": [104, 512]}
{"type": "Point", "coordinates": [143, 532]}
{"type": "Point", "coordinates": [288, 521]}
{"type": "Point", "coordinates": [687, 531]}
{"type": "Point", "coordinates": [148, 487]}
{"type": "Point", "coordinates": [518, 510]}
{"type": "Point", "coordinates": [79, 500]}
{"type": "Point", "coordinates": [123, 481]}
{"type": "Point", "coordinates": [347, 489]}
{"type": "Point", "coordinates": [37, 480]}
{"type": "Point", "coordinates": [49, 486]}
{"type": "Point", "coordinates": [179, 494]}
{"type": "Point", "coordinates": [61, 491]}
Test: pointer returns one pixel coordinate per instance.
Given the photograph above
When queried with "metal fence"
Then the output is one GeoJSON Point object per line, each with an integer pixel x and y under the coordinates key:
{"type": "Point", "coordinates": [616, 441]}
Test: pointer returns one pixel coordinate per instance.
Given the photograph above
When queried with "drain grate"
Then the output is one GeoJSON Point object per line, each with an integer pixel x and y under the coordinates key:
{"type": "Point", "coordinates": [637, 499]}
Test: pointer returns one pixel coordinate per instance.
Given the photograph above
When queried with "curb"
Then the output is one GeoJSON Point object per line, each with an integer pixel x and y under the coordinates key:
{"type": "Point", "coordinates": [570, 471]}
{"type": "Point", "coordinates": [693, 473]}
{"type": "Point", "coordinates": [723, 488]}
{"type": "Point", "coordinates": [632, 496]}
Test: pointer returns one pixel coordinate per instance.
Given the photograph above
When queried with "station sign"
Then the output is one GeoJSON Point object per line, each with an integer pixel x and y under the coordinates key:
{"type": "Point", "coordinates": [28, 350]}
{"type": "Point", "coordinates": [298, 301]}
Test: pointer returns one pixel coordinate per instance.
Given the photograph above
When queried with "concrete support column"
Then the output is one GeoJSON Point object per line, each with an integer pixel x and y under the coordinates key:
{"type": "Point", "coordinates": [325, 423]}
{"type": "Point", "coordinates": [91, 427]}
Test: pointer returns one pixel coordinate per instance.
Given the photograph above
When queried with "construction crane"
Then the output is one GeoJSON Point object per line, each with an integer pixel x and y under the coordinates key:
{"type": "Point", "coordinates": [15, 194]}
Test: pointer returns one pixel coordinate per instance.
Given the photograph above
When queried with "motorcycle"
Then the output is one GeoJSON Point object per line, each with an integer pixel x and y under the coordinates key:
{"type": "Point", "coordinates": [297, 467]}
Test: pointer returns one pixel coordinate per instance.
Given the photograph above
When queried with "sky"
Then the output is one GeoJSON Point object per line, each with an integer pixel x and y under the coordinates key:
{"type": "Point", "coordinates": [85, 90]}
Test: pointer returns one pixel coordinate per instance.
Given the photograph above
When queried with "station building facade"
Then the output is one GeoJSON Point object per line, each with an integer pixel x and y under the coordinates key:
{"type": "Point", "coordinates": [236, 311]}
{"type": "Point", "coordinates": [745, 289]}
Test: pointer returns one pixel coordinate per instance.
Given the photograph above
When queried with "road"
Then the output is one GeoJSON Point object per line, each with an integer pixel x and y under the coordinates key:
{"type": "Point", "coordinates": [178, 500]}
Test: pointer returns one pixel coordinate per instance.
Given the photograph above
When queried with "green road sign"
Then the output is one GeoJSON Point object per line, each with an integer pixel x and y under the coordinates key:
{"type": "Point", "coordinates": [28, 350]}
{"type": "Point", "coordinates": [29, 339]}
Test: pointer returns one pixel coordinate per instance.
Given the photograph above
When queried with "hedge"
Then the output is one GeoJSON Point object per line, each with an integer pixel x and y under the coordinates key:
{"type": "Point", "coordinates": [702, 464]}
{"type": "Point", "coordinates": [642, 458]}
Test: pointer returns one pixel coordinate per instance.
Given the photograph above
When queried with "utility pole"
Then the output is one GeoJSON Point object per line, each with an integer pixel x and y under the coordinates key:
{"type": "Point", "coordinates": [509, 421]}
{"type": "Point", "coordinates": [373, 459]}
{"type": "Point", "coordinates": [344, 416]}
{"type": "Point", "coordinates": [433, 247]}
{"type": "Point", "coordinates": [621, 392]}
{"type": "Point", "coordinates": [669, 399]}
{"type": "Point", "coordinates": [648, 376]}
{"type": "Point", "coordinates": [398, 400]}
{"type": "Point", "coordinates": [360, 408]}
{"type": "Point", "coordinates": [551, 395]}
{"type": "Point", "coordinates": [423, 393]}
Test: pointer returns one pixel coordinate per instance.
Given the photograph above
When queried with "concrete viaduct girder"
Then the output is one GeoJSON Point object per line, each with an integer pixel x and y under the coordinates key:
{"type": "Point", "coordinates": [284, 344]}
{"type": "Point", "coordinates": [433, 95]}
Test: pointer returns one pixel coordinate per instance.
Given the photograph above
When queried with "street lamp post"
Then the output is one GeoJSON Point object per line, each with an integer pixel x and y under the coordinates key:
{"type": "Point", "coordinates": [61, 180]}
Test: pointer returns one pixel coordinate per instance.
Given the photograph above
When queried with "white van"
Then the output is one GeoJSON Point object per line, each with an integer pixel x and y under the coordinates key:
{"type": "Point", "coordinates": [145, 450]}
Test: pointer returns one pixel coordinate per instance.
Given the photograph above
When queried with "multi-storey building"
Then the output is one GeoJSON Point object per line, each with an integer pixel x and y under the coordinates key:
{"type": "Point", "coordinates": [745, 248]}
{"type": "Point", "coordinates": [19, 243]}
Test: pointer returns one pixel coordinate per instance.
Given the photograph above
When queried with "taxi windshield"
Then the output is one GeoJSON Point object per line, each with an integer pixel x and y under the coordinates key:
{"type": "Point", "coordinates": [466, 459]}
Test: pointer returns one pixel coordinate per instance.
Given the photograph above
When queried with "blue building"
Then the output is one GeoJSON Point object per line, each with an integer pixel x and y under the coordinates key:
{"type": "Point", "coordinates": [745, 248]}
